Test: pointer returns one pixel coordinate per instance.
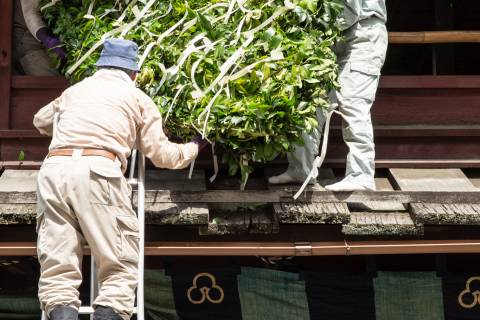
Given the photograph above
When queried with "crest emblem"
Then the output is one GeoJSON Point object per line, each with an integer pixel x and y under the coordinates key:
{"type": "Point", "coordinates": [199, 295]}
{"type": "Point", "coordinates": [468, 298]}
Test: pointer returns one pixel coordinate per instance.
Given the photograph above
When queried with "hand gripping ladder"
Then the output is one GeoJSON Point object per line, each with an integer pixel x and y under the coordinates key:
{"type": "Point", "coordinates": [94, 286]}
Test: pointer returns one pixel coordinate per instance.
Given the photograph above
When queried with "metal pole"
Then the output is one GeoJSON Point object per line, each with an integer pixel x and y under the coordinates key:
{"type": "Point", "coordinates": [93, 283]}
{"type": "Point", "coordinates": [141, 219]}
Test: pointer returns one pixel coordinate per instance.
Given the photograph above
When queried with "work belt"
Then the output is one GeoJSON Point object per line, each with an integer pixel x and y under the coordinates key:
{"type": "Point", "coordinates": [85, 152]}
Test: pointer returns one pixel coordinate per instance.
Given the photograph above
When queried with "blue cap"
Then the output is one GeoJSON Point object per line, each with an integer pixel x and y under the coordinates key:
{"type": "Point", "coordinates": [119, 53]}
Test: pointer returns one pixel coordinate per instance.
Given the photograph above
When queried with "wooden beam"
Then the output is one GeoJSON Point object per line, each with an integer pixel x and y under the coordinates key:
{"type": "Point", "coordinates": [6, 13]}
{"type": "Point", "coordinates": [35, 82]}
{"type": "Point", "coordinates": [429, 82]}
{"type": "Point", "coordinates": [434, 37]}
{"type": "Point", "coordinates": [281, 248]}
{"type": "Point", "coordinates": [268, 196]}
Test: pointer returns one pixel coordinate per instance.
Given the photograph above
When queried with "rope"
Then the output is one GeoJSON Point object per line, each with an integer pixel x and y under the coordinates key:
{"type": "Point", "coordinates": [317, 163]}
{"type": "Point", "coordinates": [215, 164]}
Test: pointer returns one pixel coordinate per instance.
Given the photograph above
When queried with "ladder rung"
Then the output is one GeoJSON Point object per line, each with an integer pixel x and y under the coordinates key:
{"type": "Point", "coordinates": [132, 181]}
{"type": "Point", "coordinates": [90, 310]}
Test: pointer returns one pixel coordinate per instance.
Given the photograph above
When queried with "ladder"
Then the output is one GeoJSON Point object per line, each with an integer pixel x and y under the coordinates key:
{"type": "Point", "coordinates": [94, 286]}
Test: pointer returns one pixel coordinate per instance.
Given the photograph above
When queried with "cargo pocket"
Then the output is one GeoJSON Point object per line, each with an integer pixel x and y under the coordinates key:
{"type": "Point", "coordinates": [129, 237]}
{"type": "Point", "coordinates": [360, 80]}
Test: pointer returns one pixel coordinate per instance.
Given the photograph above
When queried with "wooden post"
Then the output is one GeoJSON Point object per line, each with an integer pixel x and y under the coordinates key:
{"type": "Point", "coordinates": [6, 13]}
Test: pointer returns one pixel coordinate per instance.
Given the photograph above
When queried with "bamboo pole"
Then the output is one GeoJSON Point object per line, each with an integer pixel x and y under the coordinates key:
{"type": "Point", "coordinates": [429, 37]}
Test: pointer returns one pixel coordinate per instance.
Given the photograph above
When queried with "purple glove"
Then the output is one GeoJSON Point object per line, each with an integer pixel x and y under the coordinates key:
{"type": "Point", "coordinates": [50, 42]}
{"type": "Point", "coordinates": [202, 143]}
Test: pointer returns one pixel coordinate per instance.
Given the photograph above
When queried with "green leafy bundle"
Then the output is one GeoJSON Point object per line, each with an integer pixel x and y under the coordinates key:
{"type": "Point", "coordinates": [247, 74]}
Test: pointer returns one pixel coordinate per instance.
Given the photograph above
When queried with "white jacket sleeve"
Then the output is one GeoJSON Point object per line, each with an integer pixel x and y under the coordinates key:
{"type": "Point", "coordinates": [154, 144]}
{"type": "Point", "coordinates": [32, 15]}
{"type": "Point", "coordinates": [43, 119]}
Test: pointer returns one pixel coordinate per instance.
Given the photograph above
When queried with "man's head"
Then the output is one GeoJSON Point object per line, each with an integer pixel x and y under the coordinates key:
{"type": "Point", "coordinates": [119, 54]}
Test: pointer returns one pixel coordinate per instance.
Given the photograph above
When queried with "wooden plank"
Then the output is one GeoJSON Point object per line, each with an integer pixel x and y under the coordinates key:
{"type": "Point", "coordinates": [453, 180]}
{"type": "Point", "coordinates": [18, 181]}
{"type": "Point", "coordinates": [240, 222]}
{"type": "Point", "coordinates": [382, 223]}
{"type": "Point", "coordinates": [176, 213]}
{"type": "Point", "coordinates": [312, 213]}
{"type": "Point", "coordinates": [446, 214]}
{"type": "Point", "coordinates": [175, 180]}
{"type": "Point", "coordinates": [289, 212]}
{"type": "Point", "coordinates": [383, 184]}
{"type": "Point", "coordinates": [156, 214]}
{"type": "Point", "coordinates": [268, 196]}
{"type": "Point", "coordinates": [17, 213]}
{"type": "Point", "coordinates": [6, 13]}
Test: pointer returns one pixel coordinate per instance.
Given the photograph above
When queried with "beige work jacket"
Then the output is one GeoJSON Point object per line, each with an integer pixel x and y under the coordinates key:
{"type": "Point", "coordinates": [106, 111]}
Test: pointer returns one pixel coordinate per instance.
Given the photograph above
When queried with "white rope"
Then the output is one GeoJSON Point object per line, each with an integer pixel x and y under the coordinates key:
{"type": "Point", "coordinates": [279, 12]}
{"type": "Point", "coordinates": [123, 29]}
{"type": "Point", "coordinates": [215, 164]}
{"type": "Point", "coordinates": [161, 37]}
{"type": "Point", "coordinates": [244, 162]}
{"type": "Point", "coordinates": [275, 56]}
{"type": "Point", "coordinates": [138, 17]}
{"type": "Point", "coordinates": [51, 4]}
{"type": "Point", "coordinates": [207, 110]}
{"type": "Point", "coordinates": [173, 102]}
{"type": "Point", "coordinates": [90, 8]}
{"type": "Point", "coordinates": [230, 10]}
{"type": "Point", "coordinates": [319, 159]}
{"type": "Point", "coordinates": [228, 64]}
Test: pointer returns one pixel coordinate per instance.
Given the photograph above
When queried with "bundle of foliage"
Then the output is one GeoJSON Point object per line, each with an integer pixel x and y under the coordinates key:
{"type": "Point", "coordinates": [246, 74]}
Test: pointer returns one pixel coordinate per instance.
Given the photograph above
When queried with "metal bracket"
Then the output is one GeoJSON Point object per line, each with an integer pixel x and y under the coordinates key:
{"type": "Point", "coordinates": [303, 249]}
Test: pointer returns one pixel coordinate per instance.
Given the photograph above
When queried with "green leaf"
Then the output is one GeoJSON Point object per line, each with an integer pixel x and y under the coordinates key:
{"type": "Point", "coordinates": [21, 156]}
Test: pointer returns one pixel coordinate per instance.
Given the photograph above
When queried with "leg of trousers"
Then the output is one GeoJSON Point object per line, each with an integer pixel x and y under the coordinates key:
{"type": "Point", "coordinates": [83, 201]}
{"type": "Point", "coordinates": [360, 60]}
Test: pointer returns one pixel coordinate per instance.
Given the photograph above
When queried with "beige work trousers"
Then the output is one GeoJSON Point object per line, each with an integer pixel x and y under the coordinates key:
{"type": "Point", "coordinates": [86, 200]}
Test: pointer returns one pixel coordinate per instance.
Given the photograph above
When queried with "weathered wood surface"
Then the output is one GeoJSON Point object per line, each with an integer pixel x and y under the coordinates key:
{"type": "Point", "coordinates": [453, 180]}
{"type": "Point", "coordinates": [442, 180]}
{"type": "Point", "coordinates": [312, 213]}
{"type": "Point", "coordinates": [18, 181]}
{"type": "Point", "coordinates": [382, 223]}
{"type": "Point", "coordinates": [175, 200]}
{"type": "Point", "coordinates": [176, 213]}
{"type": "Point", "coordinates": [232, 196]}
{"type": "Point", "coordinates": [446, 214]}
{"type": "Point", "coordinates": [241, 221]}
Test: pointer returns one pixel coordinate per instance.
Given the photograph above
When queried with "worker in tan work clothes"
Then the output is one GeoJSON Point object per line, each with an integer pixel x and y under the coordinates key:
{"type": "Point", "coordinates": [32, 40]}
{"type": "Point", "coordinates": [83, 197]}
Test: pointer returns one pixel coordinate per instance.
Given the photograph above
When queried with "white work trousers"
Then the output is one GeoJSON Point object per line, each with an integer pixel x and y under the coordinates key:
{"type": "Point", "coordinates": [86, 200]}
{"type": "Point", "coordinates": [360, 58]}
